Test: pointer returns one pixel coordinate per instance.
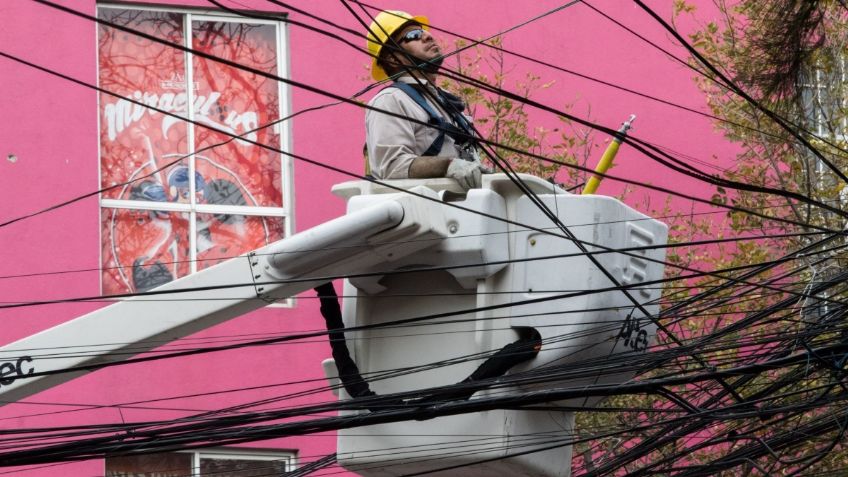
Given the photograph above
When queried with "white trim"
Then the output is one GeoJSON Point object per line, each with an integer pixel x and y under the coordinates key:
{"type": "Point", "coordinates": [247, 454]}
{"type": "Point", "coordinates": [230, 18]}
{"type": "Point", "coordinates": [242, 210]}
{"type": "Point", "coordinates": [168, 8]}
{"type": "Point", "coordinates": [188, 64]}
{"type": "Point", "coordinates": [195, 463]}
{"type": "Point", "coordinates": [100, 236]}
{"type": "Point", "coordinates": [202, 208]}
{"type": "Point", "coordinates": [286, 132]}
{"type": "Point", "coordinates": [287, 458]}
{"type": "Point", "coordinates": [144, 205]}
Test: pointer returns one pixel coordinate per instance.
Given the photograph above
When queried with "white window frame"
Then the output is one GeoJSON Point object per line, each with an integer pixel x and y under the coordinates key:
{"type": "Point", "coordinates": [818, 86]}
{"type": "Point", "coordinates": [286, 212]}
{"type": "Point", "coordinates": [288, 457]}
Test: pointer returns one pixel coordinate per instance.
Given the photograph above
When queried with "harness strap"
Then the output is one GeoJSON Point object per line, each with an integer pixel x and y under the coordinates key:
{"type": "Point", "coordinates": [435, 118]}
{"type": "Point", "coordinates": [455, 108]}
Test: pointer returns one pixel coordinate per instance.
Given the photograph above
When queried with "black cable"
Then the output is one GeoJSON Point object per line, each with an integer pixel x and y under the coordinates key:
{"type": "Point", "coordinates": [718, 83]}
{"type": "Point", "coordinates": [315, 334]}
{"type": "Point", "coordinates": [473, 42]}
{"type": "Point", "coordinates": [164, 112]}
{"type": "Point", "coordinates": [26, 457]}
{"type": "Point", "coordinates": [636, 143]}
{"type": "Point", "coordinates": [649, 444]}
{"type": "Point", "coordinates": [652, 152]}
{"type": "Point", "coordinates": [313, 466]}
{"type": "Point", "coordinates": [767, 217]}
{"type": "Point", "coordinates": [265, 74]}
{"type": "Point", "coordinates": [670, 245]}
{"type": "Point", "coordinates": [741, 93]}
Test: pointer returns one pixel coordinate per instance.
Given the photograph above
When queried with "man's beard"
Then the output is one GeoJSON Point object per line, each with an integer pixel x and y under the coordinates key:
{"type": "Point", "coordinates": [430, 66]}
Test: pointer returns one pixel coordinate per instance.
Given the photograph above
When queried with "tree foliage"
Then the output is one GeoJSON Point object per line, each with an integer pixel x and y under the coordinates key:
{"type": "Point", "coordinates": [508, 122]}
{"type": "Point", "coordinates": [790, 56]}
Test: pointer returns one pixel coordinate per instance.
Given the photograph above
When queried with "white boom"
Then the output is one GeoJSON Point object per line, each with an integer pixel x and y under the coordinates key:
{"type": "Point", "coordinates": [398, 225]}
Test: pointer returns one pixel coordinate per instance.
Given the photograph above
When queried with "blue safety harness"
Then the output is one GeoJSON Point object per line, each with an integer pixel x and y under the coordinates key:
{"type": "Point", "coordinates": [453, 105]}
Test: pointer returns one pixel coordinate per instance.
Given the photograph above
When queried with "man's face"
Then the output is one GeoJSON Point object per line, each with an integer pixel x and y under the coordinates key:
{"type": "Point", "coordinates": [424, 47]}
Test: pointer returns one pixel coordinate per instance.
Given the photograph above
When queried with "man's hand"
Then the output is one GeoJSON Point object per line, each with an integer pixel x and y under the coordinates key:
{"type": "Point", "coordinates": [468, 174]}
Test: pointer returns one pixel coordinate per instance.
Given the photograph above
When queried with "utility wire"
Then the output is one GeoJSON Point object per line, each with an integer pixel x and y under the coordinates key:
{"type": "Point", "coordinates": [265, 74]}
{"type": "Point", "coordinates": [741, 93]}
{"type": "Point", "coordinates": [246, 433]}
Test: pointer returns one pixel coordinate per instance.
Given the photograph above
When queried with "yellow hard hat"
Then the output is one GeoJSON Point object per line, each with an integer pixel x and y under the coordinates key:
{"type": "Point", "coordinates": [384, 25]}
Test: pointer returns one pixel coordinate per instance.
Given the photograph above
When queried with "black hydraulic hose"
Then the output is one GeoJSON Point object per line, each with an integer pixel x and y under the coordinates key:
{"type": "Point", "coordinates": [524, 349]}
{"type": "Point", "coordinates": [349, 374]}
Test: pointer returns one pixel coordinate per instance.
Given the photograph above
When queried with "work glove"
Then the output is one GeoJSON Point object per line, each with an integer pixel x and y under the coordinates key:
{"type": "Point", "coordinates": [467, 173]}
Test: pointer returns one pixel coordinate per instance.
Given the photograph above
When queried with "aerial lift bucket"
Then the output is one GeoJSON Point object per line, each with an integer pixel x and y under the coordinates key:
{"type": "Point", "coordinates": [581, 316]}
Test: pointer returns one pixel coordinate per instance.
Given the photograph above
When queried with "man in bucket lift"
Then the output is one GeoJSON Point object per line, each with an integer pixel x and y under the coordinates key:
{"type": "Point", "coordinates": [440, 142]}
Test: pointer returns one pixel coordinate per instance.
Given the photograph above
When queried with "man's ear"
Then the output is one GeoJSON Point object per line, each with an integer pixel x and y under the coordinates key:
{"type": "Point", "coordinates": [392, 58]}
{"type": "Point", "coordinates": [399, 58]}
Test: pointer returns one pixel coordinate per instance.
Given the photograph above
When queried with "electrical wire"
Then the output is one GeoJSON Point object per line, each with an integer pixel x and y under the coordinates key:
{"type": "Point", "coordinates": [741, 93]}
{"type": "Point", "coordinates": [594, 126]}
{"type": "Point", "coordinates": [752, 453]}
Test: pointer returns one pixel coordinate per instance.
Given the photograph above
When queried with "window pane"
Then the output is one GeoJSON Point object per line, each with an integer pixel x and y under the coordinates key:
{"type": "Point", "coordinates": [241, 467]}
{"type": "Point", "coordinates": [136, 141]}
{"type": "Point", "coordinates": [154, 465]}
{"type": "Point", "coordinates": [223, 236]}
{"type": "Point", "coordinates": [238, 102]}
{"type": "Point", "coordinates": [143, 249]}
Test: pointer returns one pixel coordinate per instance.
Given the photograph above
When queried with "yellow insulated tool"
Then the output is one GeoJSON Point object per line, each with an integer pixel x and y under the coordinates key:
{"type": "Point", "coordinates": [606, 160]}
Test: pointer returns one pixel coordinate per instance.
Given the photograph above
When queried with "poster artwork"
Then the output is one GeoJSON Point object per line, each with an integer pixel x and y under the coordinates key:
{"type": "Point", "coordinates": [144, 151]}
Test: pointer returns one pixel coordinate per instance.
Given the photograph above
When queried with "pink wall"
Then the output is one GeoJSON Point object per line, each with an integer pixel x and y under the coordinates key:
{"type": "Point", "coordinates": [50, 125]}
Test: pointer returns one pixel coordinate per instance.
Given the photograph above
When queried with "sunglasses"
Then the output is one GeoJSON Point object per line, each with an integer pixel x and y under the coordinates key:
{"type": "Point", "coordinates": [411, 35]}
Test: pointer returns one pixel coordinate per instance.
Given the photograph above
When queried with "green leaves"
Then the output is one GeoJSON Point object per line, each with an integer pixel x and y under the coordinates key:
{"type": "Point", "coordinates": [508, 122]}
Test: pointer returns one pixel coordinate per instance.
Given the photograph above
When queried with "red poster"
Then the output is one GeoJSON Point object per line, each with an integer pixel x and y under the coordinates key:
{"type": "Point", "coordinates": [146, 153]}
{"type": "Point", "coordinates": [238, 99]}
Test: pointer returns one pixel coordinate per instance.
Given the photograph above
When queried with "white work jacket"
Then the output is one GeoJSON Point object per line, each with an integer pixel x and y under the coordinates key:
{"type": "Point", "coordinates": [393, 143]}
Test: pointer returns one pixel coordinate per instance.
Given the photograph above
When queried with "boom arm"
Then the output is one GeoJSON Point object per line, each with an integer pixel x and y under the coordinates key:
{"type": "Point", "coordinates": [355, 243]}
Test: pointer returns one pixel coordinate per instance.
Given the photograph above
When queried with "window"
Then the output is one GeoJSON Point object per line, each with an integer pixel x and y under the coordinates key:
{"type": "Point", "coordinates": [182, 196]}
{"type": "Point", "coordinates": [824, 98]}
{"type": "Point", "coordinates": [233, 463]}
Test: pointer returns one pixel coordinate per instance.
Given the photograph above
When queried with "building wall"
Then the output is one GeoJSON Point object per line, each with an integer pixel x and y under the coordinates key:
{"type": "Point", "coordinates": [49, 154]}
